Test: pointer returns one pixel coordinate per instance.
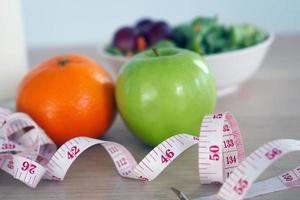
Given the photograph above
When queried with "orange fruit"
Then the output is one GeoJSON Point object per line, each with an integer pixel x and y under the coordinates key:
{"type": "Point", "coordinates": [68, 96]}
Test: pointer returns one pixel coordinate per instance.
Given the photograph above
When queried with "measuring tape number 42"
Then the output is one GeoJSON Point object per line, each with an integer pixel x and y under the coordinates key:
{"type": "Point", "coordinates": [29, 155]}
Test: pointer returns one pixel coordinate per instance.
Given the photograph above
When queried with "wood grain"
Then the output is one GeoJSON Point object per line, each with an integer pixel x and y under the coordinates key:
{"type": "Point", "coordinates": [266, 107]}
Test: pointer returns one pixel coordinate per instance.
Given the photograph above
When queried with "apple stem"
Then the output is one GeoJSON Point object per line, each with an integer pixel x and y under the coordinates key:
{"type": "Point", "coordinates": [155, 52]}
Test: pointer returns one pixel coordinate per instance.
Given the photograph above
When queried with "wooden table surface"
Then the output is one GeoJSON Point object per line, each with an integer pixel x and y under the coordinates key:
{"type": "Point", "coordinates": [266, 107]}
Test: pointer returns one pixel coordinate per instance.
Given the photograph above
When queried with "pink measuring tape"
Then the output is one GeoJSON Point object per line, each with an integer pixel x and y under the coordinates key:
{"type": "Point", "coordinates": [29, 155]}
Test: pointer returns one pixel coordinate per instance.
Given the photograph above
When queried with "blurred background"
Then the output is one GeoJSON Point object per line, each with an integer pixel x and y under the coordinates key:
{"type": "Point", "coordinates": [54, 27]}
{"type": "Point", "coordinates": [68, 23]}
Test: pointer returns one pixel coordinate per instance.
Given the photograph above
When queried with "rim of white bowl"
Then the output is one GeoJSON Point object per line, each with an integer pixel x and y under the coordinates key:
{"type": "Point", "coordinates": [267, 42]}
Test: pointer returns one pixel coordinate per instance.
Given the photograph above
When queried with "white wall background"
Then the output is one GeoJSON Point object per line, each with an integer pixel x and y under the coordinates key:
{"type": "Point", "coordinates": [75, 22]}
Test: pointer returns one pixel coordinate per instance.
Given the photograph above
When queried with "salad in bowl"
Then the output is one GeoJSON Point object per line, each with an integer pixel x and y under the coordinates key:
{"type": "Point", "coordinates": [234, 52]}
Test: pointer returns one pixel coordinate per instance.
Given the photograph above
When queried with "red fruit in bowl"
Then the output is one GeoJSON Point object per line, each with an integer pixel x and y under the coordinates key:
{"type": "Point", "coordinates": [160, 30]}
{"type": "Point", "coordinates": [144, 26]}
{"type": "Point", "coordinates": [125, 39]}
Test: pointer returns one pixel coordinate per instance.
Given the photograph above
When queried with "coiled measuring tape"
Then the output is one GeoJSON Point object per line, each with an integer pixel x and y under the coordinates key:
{"type": "Point", "coordinates": [29, 155]}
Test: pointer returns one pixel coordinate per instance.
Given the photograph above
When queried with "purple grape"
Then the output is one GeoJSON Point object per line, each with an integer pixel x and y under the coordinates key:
{"type": "Point", "coordinates": [160, 30]}
{"type": "Point", "coordinates": [125, 38]}
{"type": "Point", "coordinates": [144, 26]}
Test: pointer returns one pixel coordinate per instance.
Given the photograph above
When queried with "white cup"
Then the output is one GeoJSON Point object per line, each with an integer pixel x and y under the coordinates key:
{"type": "Point", "coordinates": [13, 57]}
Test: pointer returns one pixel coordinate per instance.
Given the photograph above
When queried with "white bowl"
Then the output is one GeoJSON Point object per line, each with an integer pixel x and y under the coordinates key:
{"type": "Point", "coordinates": [230, 68]}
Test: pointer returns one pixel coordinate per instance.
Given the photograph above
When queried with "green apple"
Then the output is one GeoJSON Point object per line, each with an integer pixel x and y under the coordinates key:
{"type": "Point", "coordinates": [164, 92]}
